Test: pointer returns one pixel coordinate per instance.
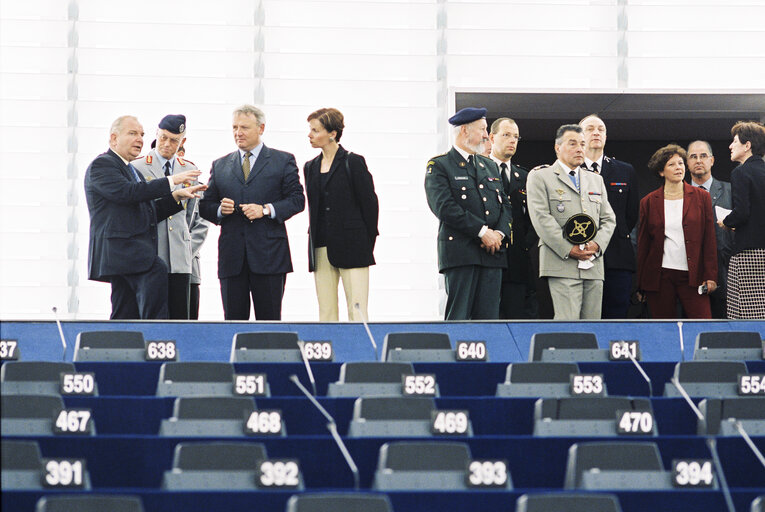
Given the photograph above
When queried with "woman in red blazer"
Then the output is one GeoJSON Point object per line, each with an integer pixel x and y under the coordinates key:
{"type": "Point", "coordinates": [677, 249]}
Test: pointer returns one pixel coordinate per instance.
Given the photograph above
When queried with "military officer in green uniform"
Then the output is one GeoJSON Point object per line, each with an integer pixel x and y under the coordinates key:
{"type": "Point", "coordinates": [465, 192]}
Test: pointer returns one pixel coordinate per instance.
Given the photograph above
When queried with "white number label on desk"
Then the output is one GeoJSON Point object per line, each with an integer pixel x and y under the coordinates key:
{"type": "Point", "coordinates": [751, 384]}
{"type": "Point", "coordinates": [487, 473]}
{"type": "Point", "coordinates": [692, 473]}
{"type": "Point", "coordinates": [471, 351]}
{"type": "Point", "coordinates": [264, 423]}
{"type": "Point", "coordinates": [253, 384]}
{"type": "Point", "coordinates": [73, 383]}
{"type": "Point", "coordinates": [318, 350]}
{"type": "Point", "coordinates": [450, 423]}
{"type": "Point", "coordinates": [161, 351]}
{"type": "Point", "coordinates": [9, 350]}
{"type": "Point", "coordinates": [63, 473]}
{"type": "Point", "coordinates": [634, 422]}
{"type": "Point", "coordinates": [622, 350]}
{"type": "Point", "coordinates": [73, 421]}
{"type": "Point", "coordinates": [424, 384]}
{"type": "Point", "coordinates": [279, 473]}
{"type": "Point", "coordinates": [587, 384]}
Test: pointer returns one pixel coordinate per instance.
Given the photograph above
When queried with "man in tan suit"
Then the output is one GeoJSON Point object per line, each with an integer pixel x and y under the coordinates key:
{"type": "Point", "coordinates": [575, 272]}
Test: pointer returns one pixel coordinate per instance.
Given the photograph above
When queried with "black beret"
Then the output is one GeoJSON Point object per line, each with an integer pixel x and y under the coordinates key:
{"type": "Point", "coordinates": [467, 115]}
{"type": "Point", "coordinates": [174, 123]}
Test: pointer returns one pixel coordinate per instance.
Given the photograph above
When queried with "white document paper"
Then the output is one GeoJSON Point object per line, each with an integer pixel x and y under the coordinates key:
{"type": "Point", "coordinates": [721, 212]}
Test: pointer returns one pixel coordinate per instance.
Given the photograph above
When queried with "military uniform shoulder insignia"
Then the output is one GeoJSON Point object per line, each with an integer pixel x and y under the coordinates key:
{"type": "Point", "coordinates": [149, 159]}
{"type": "Point", "coordinates": [538, 167]}
{"type": "Point", "coordinates": [180, 160]}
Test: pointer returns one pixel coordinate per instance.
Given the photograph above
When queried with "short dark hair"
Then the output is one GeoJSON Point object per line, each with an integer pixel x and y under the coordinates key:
{"type": "Point", "coordinates": [331, 119]}
{"type": "Point", "coordinates": [495, 125]}
{"type": "Point", "coordinates": [566, 128]}
{"type": "Point", "coordinates": [661, 157]}
{"type": "Point", "coordinates": [750, 131]}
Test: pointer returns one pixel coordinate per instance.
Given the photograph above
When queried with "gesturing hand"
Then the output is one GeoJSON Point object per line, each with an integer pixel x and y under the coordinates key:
{"type": "Point", "coordinates": [188, 192]}
{"type": "Point", "coordinates": [185, 177]}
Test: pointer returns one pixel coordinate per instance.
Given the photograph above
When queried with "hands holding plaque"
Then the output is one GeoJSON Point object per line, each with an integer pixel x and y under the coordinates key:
{"type": "Point", "coordinates": [580, 229]}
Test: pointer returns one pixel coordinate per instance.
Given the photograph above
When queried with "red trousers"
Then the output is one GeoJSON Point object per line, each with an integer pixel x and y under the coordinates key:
{"type": "Point", "coordinates": [673, 285]}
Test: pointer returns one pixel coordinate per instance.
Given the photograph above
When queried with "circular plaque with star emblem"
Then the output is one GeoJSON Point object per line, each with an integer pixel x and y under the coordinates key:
{"type": "Point", "coordinates": [579, 229]}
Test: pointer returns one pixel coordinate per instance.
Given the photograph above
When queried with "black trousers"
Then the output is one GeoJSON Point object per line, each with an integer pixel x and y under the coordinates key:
{"type": "Point", "coordinates": [472, 293]}
{"type": "Point", "coordinates": [518, 301]}
{"type": "Point", "coordinates": [178, 296]}
{"type": "Point", "coordinates": [194, 301]}
{"type": "Point", "coordinates": [267, 291]}
{"type": "Point", "coordinates": [141, 296]}
{"type": "Point", "coordinates": [617, 289]}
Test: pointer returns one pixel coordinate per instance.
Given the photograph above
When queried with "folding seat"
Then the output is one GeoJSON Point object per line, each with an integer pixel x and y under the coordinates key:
{"type": "Point", "coordinates": [30, 415]}
{"type": "Point", "coordinates": [720, 415]}
{"type": "Point", "coordinates": [370, 379]}
{"type": "Point", "coordinates": [110, 346]}
{"type": "Point", "coordinates": [89, 503]}
{"type": "Point", "coordinates": [568, 502]}
{"type": "Point", "coordinates": [393, 417]}
{"type": "Point", "coordinates": [34, 377]}
{"type": "Point", "coordinates": [424, 466]}
{"type": "Point", "coordinates": [208, 416]}
{"type": "Point", "coordinates": [538, 380]}
{"type": "Point", "coordinates": [21, 466]}
{"type": "Point", "coordinates": [617, 466]}
{"type": "Point", "coordinates": [263, 346]}
{"type": "Point", "coordinates": [728, 346]}
{"type": "Point", "coordinates": [585, 416]}
{"type": "Point", "coordinates": [566, 346]}
{"type": "Point", "coordinates": [214, 466]}
{"type": "Point", "coordinates": [196, 379]}
{"type": "Point", "coordinates": [418, 347]}
{"type": "Point", "coordinates": [339, 502]}
{"type": "Point", "coordinates": [706, 378]}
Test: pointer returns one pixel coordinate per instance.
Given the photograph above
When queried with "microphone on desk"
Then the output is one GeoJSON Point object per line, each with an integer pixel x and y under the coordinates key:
{"type": "Point", "coordinates": [642, 372]}
{"type": "Point", "coordinates": [682, 345]}
{"type": "Point", "coordinates": [357, 307]}
{"type": "Point", "coordinates": [332, 427]}
{"type": "Point", "coordinates": [301, 346]}
{"type": "Point", "coordinates": [60, 333]}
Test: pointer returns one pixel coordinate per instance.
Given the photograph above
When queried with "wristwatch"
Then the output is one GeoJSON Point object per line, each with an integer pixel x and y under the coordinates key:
{"type": "Point", "coordinates": [266, 211]}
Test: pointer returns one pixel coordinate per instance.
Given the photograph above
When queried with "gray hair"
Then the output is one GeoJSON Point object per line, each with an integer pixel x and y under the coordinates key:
{"type": "Point", "coordinates": [709, 147]}
{"type": "Point", "coordinates": [495, 125]}
{"type": "Point", "coordinates": [566, 128]}
{"type": "Point", "coordinates": [116, 127]}
{"type": "Point", "coordinates": [251, 110]}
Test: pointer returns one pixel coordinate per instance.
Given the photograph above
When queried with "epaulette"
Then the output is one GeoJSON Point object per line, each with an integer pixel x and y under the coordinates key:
{"type": "Point", "coordinates": [521, 167]}
{"type": "Point", "coordinates": [538, 167]}
{"type": "Point", "coordinates": [184, 162]}
{"type": "Point", "coordinates": [432, 162]}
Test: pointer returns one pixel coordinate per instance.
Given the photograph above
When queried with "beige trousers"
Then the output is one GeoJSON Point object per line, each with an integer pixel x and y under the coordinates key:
{"type": "Point", "coordinates": [355, 284]}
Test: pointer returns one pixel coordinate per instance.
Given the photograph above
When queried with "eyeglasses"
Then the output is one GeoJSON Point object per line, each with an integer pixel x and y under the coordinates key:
{"type": "Point", "coordinates": [702, 156]}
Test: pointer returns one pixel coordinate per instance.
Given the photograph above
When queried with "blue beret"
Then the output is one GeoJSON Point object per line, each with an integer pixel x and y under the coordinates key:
{"type": "Point", "coordinates": [467, 115]}
{"type": "Point", "coordinates": [174, 123]}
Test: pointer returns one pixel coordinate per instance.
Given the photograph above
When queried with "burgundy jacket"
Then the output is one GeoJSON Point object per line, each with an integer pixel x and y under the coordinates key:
{"type": "Point", "coordinates": [700, 241]}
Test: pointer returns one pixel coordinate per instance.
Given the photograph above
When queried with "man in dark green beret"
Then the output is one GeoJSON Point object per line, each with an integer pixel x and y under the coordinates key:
{"type": "Point", "coordinates": [464, 191]}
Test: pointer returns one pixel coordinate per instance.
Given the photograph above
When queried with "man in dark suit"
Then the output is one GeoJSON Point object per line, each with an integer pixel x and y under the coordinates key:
{"type": "Point", "coordinates": [124, 210]}
{"type": "Point", "coordinates": [518, 296]}
{"type": "Point", "coordinates": [465, 192]}
{"type": "Point", "coordinates": [623, 195]}
{"type": "Point", "coordinates": [251, 193]}
{"type": "Point", "coordinates": [700, 162]}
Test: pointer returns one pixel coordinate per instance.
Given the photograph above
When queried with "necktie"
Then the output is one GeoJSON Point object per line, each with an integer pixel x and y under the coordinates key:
{"type": "Point", "coordinates": [503, 167]}
{"type": "Point", "coordinates": [135, 174]}
{"type": "Point", "coordinates": [470, 159]}
{"type": "Point", "coordinates": [572, 175]}
{"type": "Point", "coordinates": [704, 188]}
{"type": "Point", "coordinates": [168, 171]}
{"type": "Point", "coordinates": [246, 165]}
{"type": "Point", "coordinates": [595, 167]}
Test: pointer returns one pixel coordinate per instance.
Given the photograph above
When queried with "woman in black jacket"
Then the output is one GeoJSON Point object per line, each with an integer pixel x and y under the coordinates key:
{"type": "Point", "coordinates": [746, 271]}
{"type": "Point", "coordinates": [343, 212]}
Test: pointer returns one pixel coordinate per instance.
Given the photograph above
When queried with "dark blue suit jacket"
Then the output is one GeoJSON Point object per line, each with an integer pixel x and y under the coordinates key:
{"type": "Point", "coordinates": [273, 179]}
{"type": "Point", "coordinates": [123, 217]}
{"type": "Point", "coordinates": [623, 196]}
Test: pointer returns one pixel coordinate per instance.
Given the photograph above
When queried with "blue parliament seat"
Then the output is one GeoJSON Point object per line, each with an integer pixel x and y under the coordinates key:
{"type": "Point", "coordinates": [538, 380]}
{"type": "Point", "coordinates": [110, 346]}
{"type": "Point", "coordinates": [392, 417]}
{"type": "Point", "coordinates": [208, 416]}
{"type": "Point", "coordinates": [214, 465]}
{"type": "Point", "coordinates": [21, 465]}
{"type": "Point", "coordinates": [568, 502]}
{"type": "Point", "coordinates": [89, 503]}
{"type": "Point", "coordinates": [265, 346]}
{"type": "Point", "coordinates": [566, 346]}
{"type": "Point", "coordinates": [339, 502]}
{"type": "Point", "coordinates": [587, 416]}
{"type": "Point", "coordinates": [370, 379]}
{"type": "Point", "coordinates": [728, 346]}
{"type": "Point", "coordinates": [36, 415]}
{"type": "Point", "coordinates": [616, 466]}
{"type": "Point", "coordinates": [721, 414]}
{"type": "Point", "coordinates": [418, 347]}
{"type": "Point", "coordinates": [204, 378]}
{"type": "Point", "coordinates": [706, 378]}
{"type": "Point", "coordinates": [35, 377]}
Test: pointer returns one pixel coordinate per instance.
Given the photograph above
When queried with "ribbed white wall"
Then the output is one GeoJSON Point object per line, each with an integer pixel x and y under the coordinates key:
{"type": "Point", "coordinates": [67, 69]}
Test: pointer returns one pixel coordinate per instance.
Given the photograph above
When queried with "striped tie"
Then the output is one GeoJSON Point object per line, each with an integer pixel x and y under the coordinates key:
{"type": "Point", "coordinates": [246, 165]}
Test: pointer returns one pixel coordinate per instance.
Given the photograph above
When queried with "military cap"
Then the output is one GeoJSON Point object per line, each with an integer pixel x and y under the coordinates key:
{"type": "Point", "coordinates": [173, 123]}
{"type": "Point", "coordinates": [467, 115]}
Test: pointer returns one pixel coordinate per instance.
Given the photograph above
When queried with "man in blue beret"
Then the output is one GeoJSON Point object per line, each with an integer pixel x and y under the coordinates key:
{"type": "Point", "coordinates": [180, 237]}
{"type": "Point", "coordinates": [464, 191]}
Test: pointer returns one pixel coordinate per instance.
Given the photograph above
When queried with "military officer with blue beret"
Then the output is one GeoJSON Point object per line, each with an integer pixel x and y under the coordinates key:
{"type": "Point", "coordinates": [464, 191]}
{"type": "Point", "coordinates": [180, 236]}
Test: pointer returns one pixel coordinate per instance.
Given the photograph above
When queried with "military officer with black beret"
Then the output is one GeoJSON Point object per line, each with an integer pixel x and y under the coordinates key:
{"type": "Point", "coordinates": [180, 236]}
{"type": "Point", "coordinates": [464, 191]}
